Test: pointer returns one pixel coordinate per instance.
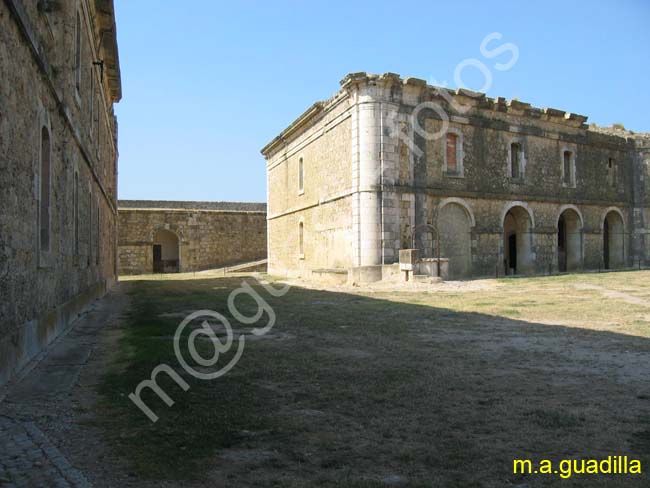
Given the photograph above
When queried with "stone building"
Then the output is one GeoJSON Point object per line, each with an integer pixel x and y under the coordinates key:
{"type": "Point", "coordinates": [171, 237]}
{"type": "Point", "coordinates": [59, 79]}
{"type": "Point", "coordinates": [495, 186]}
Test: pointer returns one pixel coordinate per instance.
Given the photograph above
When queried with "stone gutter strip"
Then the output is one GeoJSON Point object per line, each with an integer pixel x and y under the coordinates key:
{"type": "Point", "coordinates": [28, 458]}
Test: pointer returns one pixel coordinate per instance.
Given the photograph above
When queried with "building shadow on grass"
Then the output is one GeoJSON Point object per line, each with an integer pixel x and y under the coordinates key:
{"type": "Point", "coordinates": [351, 390]}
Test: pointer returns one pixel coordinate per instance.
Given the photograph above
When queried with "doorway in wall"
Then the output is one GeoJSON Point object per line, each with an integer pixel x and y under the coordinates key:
{"type": "Point", "coordinates": [517, 242]}
{"type": "Point", "coordinates": [561, 244]}
{"type": "Point", "coordinates": [606, 244]}
{"type": "Point", "coordinates": [613, 241]}
{"type": "Point", "coordinates": [512, 254]}
{"type": "Point", "coordinates": [165, 252]}
{"type": "Point", "coordinates": [157, 258]}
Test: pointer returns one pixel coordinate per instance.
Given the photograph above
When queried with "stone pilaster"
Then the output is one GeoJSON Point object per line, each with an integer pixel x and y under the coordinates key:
{"type": "Point", "coordinates": [640, 244]}
{"type": "Point", "coordinates": [366, 160]}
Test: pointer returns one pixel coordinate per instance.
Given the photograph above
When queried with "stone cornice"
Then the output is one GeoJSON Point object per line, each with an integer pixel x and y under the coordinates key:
{"type": "Point", "coordinates": [190, 210]}
{"type": "Point", "coordinates": [107, 35]}
{"type": "Point", "coordinates": [303, 119]}
{"type": "Point", "coordinates": [502, 196]}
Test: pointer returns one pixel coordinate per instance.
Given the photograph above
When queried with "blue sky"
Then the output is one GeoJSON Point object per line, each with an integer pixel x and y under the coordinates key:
{"type": "Point", "coordinates": [206, 83]}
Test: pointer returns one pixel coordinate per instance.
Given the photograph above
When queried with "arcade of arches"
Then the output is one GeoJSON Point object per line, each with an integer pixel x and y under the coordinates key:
{"type": "Point", "coordinates": [529, 238]}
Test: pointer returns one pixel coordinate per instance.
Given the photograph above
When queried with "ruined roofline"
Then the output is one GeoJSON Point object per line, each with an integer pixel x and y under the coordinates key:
{"type": "Point", "coordinates": [461, 95]}
{"type": "Point", "coordinates": [464, 97]}
{"type": "Point", "coordinates": [618, 130]}
{"type": "Point", "coordinates": [188, 205]}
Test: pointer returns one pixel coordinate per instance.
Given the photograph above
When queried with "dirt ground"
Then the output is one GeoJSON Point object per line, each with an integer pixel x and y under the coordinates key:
{"type": "Point", "coordinates": [438, 385]}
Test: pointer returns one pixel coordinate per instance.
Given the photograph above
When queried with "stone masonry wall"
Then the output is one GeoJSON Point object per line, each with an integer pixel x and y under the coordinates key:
{"type": "Point", "coordinates": [324, 207]}
{"type": "Point", "coordinates": [44, 286]}
{"type": "Point", "coordinates": [208, 238]}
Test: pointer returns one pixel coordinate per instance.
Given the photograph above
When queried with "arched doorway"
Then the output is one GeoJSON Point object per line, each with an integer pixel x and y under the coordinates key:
{"type": "Point", "coordinates": [569, 241]}
{"type": "Point", "coordinates": [455, 229]}
{"type": "Point", "coordinates": [165, 252]}
{"type": "Point", "coordinates": [613, 241]}
{"type": "Point", "coordinates": [517, 241]}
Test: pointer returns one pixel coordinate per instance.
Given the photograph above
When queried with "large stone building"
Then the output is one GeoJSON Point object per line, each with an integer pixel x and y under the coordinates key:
{"type": "Point", "coordinates": [171, 237]}
{"type": "Point", "coordinates": [494, 186]}
{"type": "Point", "coordinates": [59, 79]}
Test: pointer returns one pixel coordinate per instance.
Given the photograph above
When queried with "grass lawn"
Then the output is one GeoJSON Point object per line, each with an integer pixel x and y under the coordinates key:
{"type": "Point", "coordinates": [358, 388]}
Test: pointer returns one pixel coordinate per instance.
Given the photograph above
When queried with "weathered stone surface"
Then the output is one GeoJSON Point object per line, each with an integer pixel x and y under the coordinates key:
{"type": "Point", "coordinates": [44, 287]}
{"type": "Point", "coordinates": [210, 234]}
{"type": "Point", "coordinates": [379, 171]}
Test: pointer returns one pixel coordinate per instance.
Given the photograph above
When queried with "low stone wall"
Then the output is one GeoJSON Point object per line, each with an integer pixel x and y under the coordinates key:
{"type": "Point", "coordinates": [207, 237]}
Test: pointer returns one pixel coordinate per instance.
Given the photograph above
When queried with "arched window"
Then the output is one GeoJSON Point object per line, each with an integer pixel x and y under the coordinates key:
{"type": "Point", "coordinates": [76, 213]}
{"type": "Point", "coordinates": [89, 213]}
{"type": "Point", "coordinates": [91, 124]}
{"type": "Point", "coordinates": [77, 53]}
{"type": "Point", "coordinates": [98, 224]}
{"type": "Point", "coordinates": [301, 176]}
{"type": "Point", "coordinates": [301, 237]}
{"type": "Point", "coordinates": [44, 210]}
{"type": "Point", "coordinates": [515, 160]}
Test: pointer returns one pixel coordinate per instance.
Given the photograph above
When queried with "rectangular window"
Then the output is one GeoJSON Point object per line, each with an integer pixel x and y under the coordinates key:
{"type": "Point", "coordinates": [301, 232]}
{"type": "Point", "coordinates": [567, 167]}
{"type": "Point", "coordinates": [301, 175]}
{"type": "Point", "coordinates": [77, 53]}
{"type": "Point", "coordinates": [44, 216]}
{"type": "Point", "coordinates": [611, 172]}
{"type": "Point", "coordinates": [452, 153]}
{"type": "Point", "coordinates": [514, 160]}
